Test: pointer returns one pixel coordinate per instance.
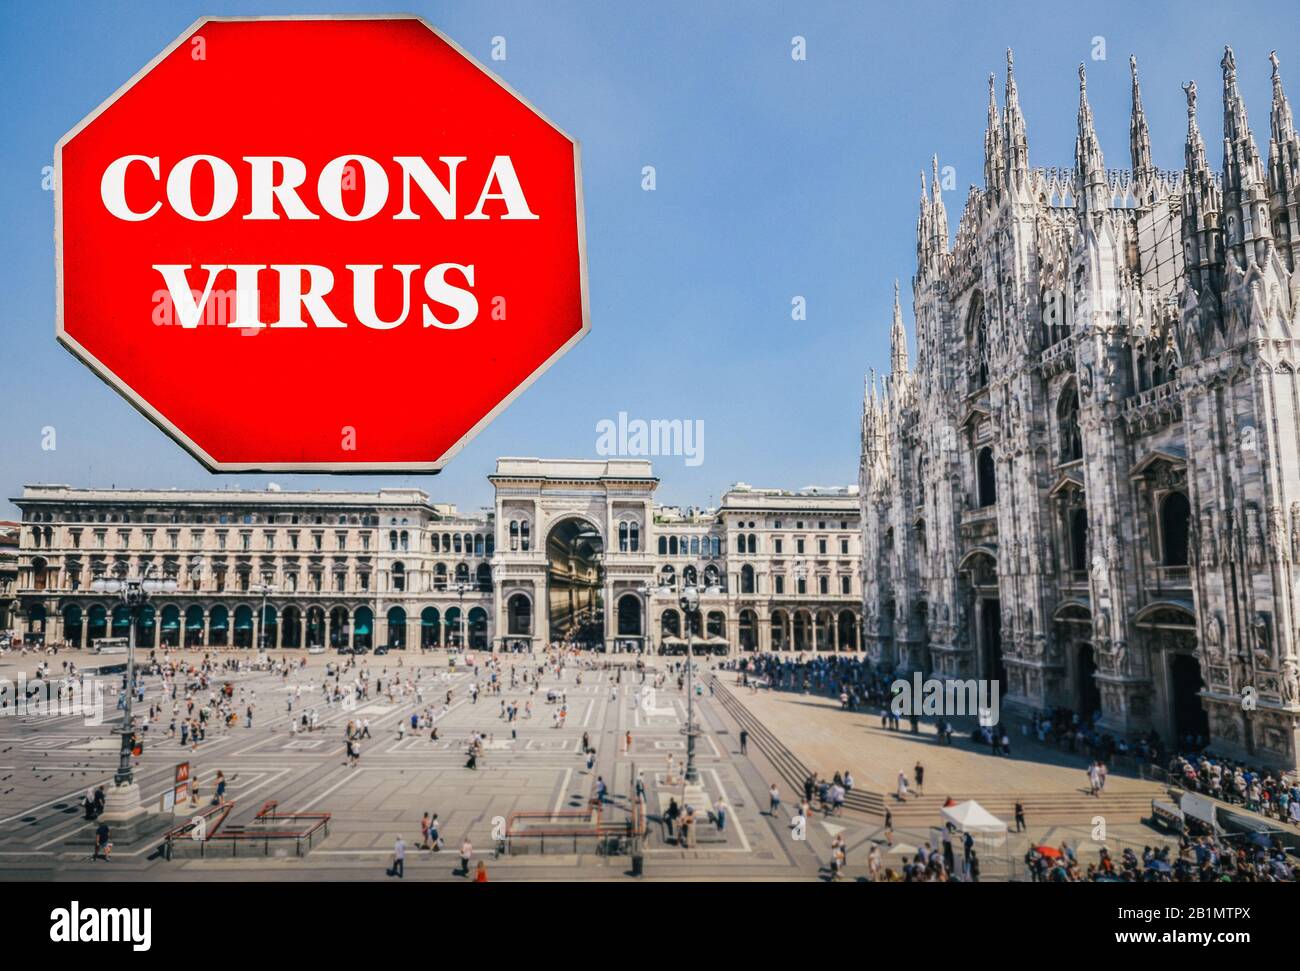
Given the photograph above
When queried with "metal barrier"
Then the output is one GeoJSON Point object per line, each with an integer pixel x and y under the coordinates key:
{"type": "Point", "coordinates": [589, 831]}
{"type": "Point", "coordinates": [270, 842]}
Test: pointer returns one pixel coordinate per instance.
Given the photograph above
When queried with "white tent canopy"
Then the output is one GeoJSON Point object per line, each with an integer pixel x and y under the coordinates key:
{"type": "Point", "coordinates": [971, 817]}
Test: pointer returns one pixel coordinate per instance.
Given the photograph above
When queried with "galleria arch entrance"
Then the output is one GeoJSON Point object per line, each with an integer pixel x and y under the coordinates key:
{"type": "Point", "coordinates": [574, 581]}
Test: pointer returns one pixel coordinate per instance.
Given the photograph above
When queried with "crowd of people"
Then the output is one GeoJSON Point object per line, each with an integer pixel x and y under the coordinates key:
{"type": "Point", "coordinates": [1200, 858]}
{"type": "Point", "coordinates": [1263, 791]}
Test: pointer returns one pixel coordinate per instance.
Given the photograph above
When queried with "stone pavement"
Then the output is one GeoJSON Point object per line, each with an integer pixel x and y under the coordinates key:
{"type": "Point", "coordinates": [46, 763]}
{"type": "Point", "coordinates": [1052, 784]}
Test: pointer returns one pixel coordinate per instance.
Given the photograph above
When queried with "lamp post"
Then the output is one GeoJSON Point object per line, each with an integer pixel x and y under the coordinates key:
{"type": "Point", "coordinates": [689, 601]}
{"type": "Point", "coordinates": [123, 804]}
{"type": "Point", "coordinates": [646, 591]}
{"type": "Point", "coordinates": [462, 587]}
{"type": "Point", "coordinates": [264, 588]}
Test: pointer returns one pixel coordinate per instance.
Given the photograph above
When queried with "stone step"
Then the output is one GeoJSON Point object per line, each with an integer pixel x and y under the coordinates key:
{"type": "Point", "coordinates": [1038, 807]}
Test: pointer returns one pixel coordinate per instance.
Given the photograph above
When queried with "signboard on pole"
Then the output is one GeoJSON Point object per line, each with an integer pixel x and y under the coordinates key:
{"type": "Point", "coordinates": [181, 786]}
{"type": "Point", "coordinates": [319, 243]}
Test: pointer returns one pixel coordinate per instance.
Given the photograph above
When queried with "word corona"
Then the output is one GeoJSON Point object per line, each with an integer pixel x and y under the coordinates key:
{"type": "Point", "coordinates": [277, 178]}
{"type": "Point", "coordinates": [272, 188]}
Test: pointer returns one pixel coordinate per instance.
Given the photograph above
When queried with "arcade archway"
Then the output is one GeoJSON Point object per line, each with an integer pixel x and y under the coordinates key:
{"type": "Point", "coordinates": [574, 582]}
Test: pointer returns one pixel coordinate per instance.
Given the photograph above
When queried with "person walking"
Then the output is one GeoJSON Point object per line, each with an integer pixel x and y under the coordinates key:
{"type": "Point", "coordinates": [1020, 816]}
{"type": "Point", "coordinates": [919, 775]}
{"type": "Point", "coordinates": [744, 742]}
{"type": "Point", "coordinates": [774, 800]}
{"type": "Point", "coordinates": [480, 873]}
{"type": "Point", "coordinates": [399, 859]}
{"type": "Point", "coordinates": [670, 816]}
{"type": "Point", "coordinates": [435, 838]}
{"type": "Point", "coordinates": [466, 853]}
{"type": "Point", "coordinates": [103, 843]}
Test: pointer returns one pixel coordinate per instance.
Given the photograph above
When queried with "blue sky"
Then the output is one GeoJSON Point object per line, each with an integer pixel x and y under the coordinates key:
{"type": "Point", "coordinates": [776, 178]}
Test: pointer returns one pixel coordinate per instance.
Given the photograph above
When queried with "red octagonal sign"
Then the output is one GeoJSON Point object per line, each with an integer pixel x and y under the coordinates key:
{"type": "Point", "coordinates": [319, 244]}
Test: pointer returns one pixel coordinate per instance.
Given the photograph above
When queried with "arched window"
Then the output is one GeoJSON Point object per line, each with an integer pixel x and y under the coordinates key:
{"type": "Point", "coordinates": [629, 615]}
{"type": "Point", "coordinates": [663, 545]}
{"type": "Point", "coordinates": [455, 542]}
{"type": "Point", "coordinates": [406, 541]}
{"type": "Point", "coordinates": [1067, 423]}
{"type": "Point", "coordinates": [430, 627]}
{"type": "Point", "coordinates": [478, 544]}
{"type": "Point", "coordinates": [667, 576]}
{"type": "Point", "coordinates": [396, 627]}
{"type": "Point", "coordinates": [753, 543]}
{"type": "Point", "coordinates": [634, 537]}
{"type": "Point", "coordinates": [689, 577]}
{"type": "Point", "coordinates": [514, 535]}
{"type": "Point", "coordinates": [462, 573]}
{"type": "Point", "coordinates": [670, 624]}
{"type": "Point", "coordinates": [478, 629]}
{"type": "Point", "coordinates": [392, 540]}
{"type": "Point", "coordinates": [746, 579]}
{"type": "Point", "coordinates": [695, 546]}
{"type": "Point", "coordinates": [399, 577]}
{"type": "Point", "coordinates": [440, 577]}
{"type": "Point", "coordinates": [1175, 522]}
{"type": "Point", "coordinates": [986, 478]}
{"type": "Point", "coordinates": [622, 538]}
{"type": "Point", "coordinates": [977, 343]}
{"type": "Point", "coordinates": [748, 630]}
{"type": "Point", "coordinates": [672, 546]}
{"type": "Point", "coordinates": [524, 541]}
{"type": "Point", "coordinates": [716, 625]}
{"type": "Point", "coordinates": [740, 542]}
{"type": "Point", "coordinates": [519, 615]}
{"type": "Point", "coordinates": [1079, 539]}
{"type": "Point", "coordinates": [483, 577]}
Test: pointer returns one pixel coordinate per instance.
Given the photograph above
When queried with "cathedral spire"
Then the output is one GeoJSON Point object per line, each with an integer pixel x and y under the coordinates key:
{"type": "Point", "coordinates": [1245, 202]}
{"type": "Point", "coordinates": [1139, 135]}
{"type": "Point", "coordinates": [1015, 141]}
{"type": "Point", "coordinates": [923, 219]}
{"type": "Point", "coordinates": [1284, 171]}
{"type": "Point", "coordinates": [938, 213]}
{"type": "Point", "coordinates": [1283, 124]}
{"type": "Point", "coordinates": [897, 338]}
{"type": "Point", "coordinates": [994, 160]}
{"type": "Point", "coordinates": [1202, 208]}
{"type": "Point", "coordinates": [1093, 195]}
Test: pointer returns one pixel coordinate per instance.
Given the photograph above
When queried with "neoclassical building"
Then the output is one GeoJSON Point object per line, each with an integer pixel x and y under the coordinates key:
{"type": "Point", "coordinates": [572, 549]}
{"type": "Point", "coordinates": [1088, 484]}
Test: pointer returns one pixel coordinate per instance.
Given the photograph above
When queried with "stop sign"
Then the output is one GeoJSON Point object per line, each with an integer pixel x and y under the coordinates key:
{"type": "Point", "coordinates": [319, 244]}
